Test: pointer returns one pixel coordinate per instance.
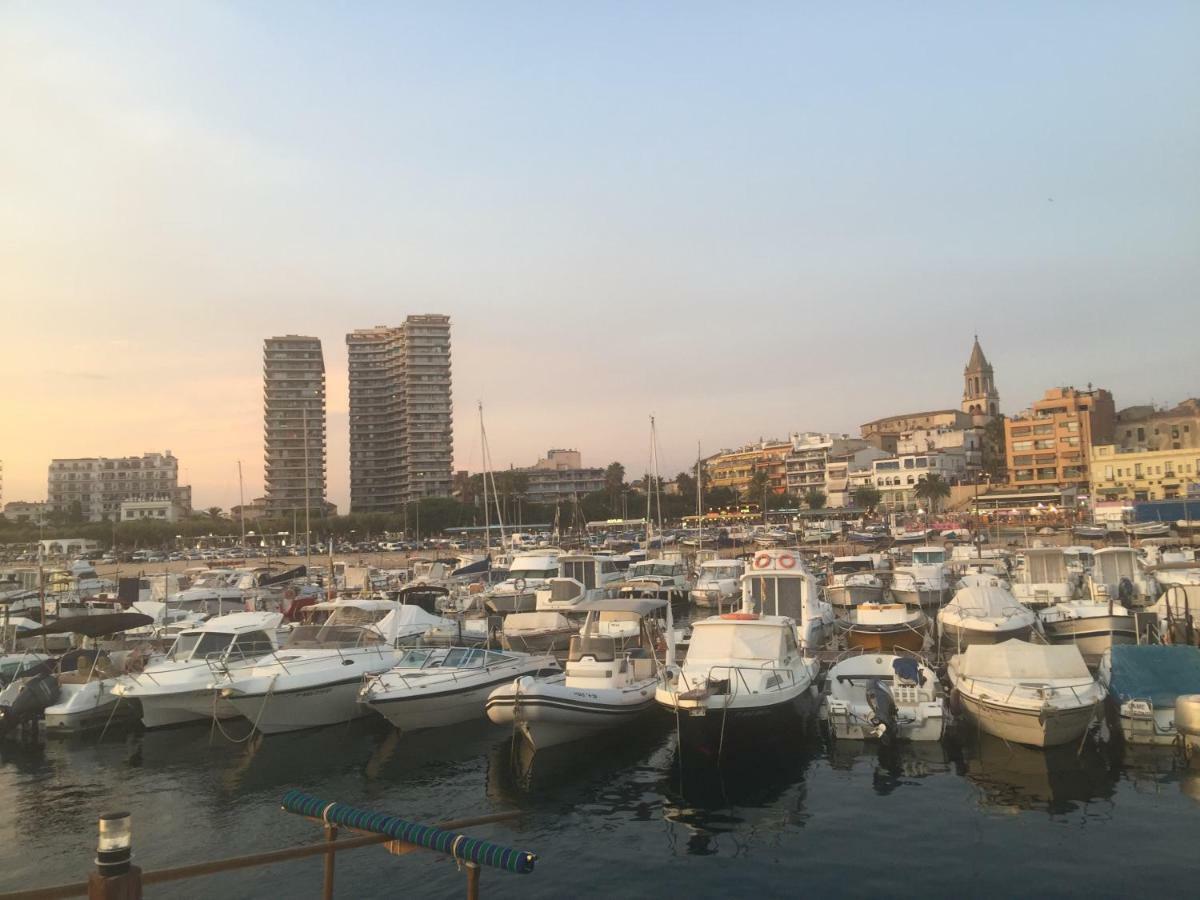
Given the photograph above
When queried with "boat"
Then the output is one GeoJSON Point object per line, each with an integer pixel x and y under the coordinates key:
{"type": "Point", "coordinates": [886, 627]}
{"type": "Point", "coordinates": [719, 584]}
{"type": "Point", "coordinates": [581, 576]}
{"type": "Point", "coordinates": [1092, 627]}
{"type": "Point", "coordinates": [925, 582]}
{"type": "Point", "coordinates": [313, 680]}
{"type": "Point", "coordinates": [911, 536]}
{"type": "Point", "coordinates": [1026, 693]}
{"type": "Point", "coordinates": [883, 696]}
{"type": "Point", "coordinates": [852, 580]}
{"type": "Point", "coordinates": [984, 613]}
{"type": "Point", "coordinates": [1080, 560]}
{"type": "Point", "coordinates": [175, 689]}
{"type": "Point", "coordinates": [602, 686]}
{"type": "Point", "coordinates": [745, 676]}
{"type": "Point", "coordinates": [1144, 684]}
{"type": "Point", "coordinates": [537, 632]}
{"type": "Point", "coordinates": [1149, 529]}
{"type": "Point", "coordinates": [527, 574]}
{"type": "Point", "coordinates": [779, 583]}
{"type": "Point", "coordinates": [1090, 532]}
{"type": "Point", "coordinates": [1118, 575]}
{"type": "Point", "coordinates": [214, 591]}
{"type": "Point", "coordinates": [430, 687]}
{"type": "Point", "coordinates": [664, 578]}
{"type": "Point", "coordinates": [1043, 579]}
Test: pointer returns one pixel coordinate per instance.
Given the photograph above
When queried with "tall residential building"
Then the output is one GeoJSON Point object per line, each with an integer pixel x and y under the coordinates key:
{"type": "Point", "coordinates": [1049, 445]}
{"type": "Point", "coordinates": [401, 413]}
{"type": "Point", "coordinates": [1147, 428]}
{"type": "Point", "coordinates": [980, 398]}
{"type": "Point", "coordinates": [94, 488]}
{"type": "Point", "coordinates": [561, 474]}
{"type": "Point", "coordinates": [294, 424]}
{"type": "Point", "coordinates": [735, 469]}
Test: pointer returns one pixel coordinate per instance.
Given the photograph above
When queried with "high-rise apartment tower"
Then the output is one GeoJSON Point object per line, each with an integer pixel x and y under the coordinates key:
{"type": "Point", "coordinates": [294, 424]}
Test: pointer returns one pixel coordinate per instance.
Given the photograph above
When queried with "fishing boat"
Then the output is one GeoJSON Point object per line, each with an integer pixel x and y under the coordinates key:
{"type": "Point", "coordinates": [430, 687]}
{"type": "Point", "coordinates": [984, 613]}
{"type": "Point", "coordinates": [852, 580]}
{"type": "Point", "coordinates": [777, 582]}
{"type": "Point", "coordinates": [884, 697]}
{"type": "Point", "coordinates": [719, 584]}
{"type": "Point", "coordinates": [602, 686]}
{"type": "Point", "coordinates": [884, 627]}
{"type": "Point", "coordinates": [1026, 693]}
{"type": "Point", "coordinates": [1144, 684]}
{"type": "Point", "coordinates": [1118, 575]}
{"type": "Point", "coordinates": [175, 689]}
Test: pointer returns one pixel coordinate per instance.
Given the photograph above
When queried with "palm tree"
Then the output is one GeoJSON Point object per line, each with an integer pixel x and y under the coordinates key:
{"type": "Point", "coordinates": [214, 513]}
{"type": "Point", "coordinates": [867, 497]}
{"type": "Point", "coordinates": [932, 489]}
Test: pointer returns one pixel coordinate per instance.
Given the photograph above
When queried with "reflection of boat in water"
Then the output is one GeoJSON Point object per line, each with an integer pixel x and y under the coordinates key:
{"type": "Point", "coordinates": [893, 766]}
{"type": "Point", "coordinates": [1055, 780]}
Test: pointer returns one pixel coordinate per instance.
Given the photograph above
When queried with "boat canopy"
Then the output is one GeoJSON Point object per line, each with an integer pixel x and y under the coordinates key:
{"type": "Point", "coordinates": [984, 600]}
{"type": "Point", "coordinates": [756, 640]}
{"type": "Point", "coordinates": [1020, 659]}
{"type": "Point", "coordinates": [1157, 673]}
{"type": "Point", "coordinates": [1114, 563]}
{"type": "Point", "coordinates": [1045, 566]}
{"type": "Point", "coordinates": [642, 606]}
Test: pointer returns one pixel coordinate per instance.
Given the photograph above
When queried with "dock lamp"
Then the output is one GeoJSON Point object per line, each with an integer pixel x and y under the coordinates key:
{"type": "Point", "coordinates": [115, 847]}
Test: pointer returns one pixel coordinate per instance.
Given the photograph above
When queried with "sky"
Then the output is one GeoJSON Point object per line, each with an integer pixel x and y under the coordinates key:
{"type": "Point", "coordinates": [744, 219]}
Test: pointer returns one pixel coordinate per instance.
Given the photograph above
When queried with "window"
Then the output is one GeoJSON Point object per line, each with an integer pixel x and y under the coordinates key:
{"type": "Point", "coordinates": [1108, 473]}
{"type": "Point", "coordinates": [1137, 470]}
{"type": "Point", "coordinates": [1141, 434]}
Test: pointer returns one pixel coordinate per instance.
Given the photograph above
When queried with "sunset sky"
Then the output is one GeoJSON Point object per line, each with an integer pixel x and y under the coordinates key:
{"type": "Point", "coordinates": [744, 218]}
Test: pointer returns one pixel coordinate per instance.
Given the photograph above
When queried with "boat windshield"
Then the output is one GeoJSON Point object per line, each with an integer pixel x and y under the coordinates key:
{"type": "Point", "coordinates": [777, 596]}
{"type": "Point", "coordinates": [661, 569]}
{"type": "Point", "coordinates": [330, 635]}
{"type": "Point", "coordinates": [737, 642]}
{"type": "Point", "coordinates": [720, 573]}
{"type": "Point", "coordinates": [928, 557]}
{"type": "Point", "coordinates": [846, 566]}
{"type": "Point", "coordinates": [456, 657]}
{"type": "Point", "coordinates": [531, 574]}
{"type": "Point", "coordinates": [198, 645]}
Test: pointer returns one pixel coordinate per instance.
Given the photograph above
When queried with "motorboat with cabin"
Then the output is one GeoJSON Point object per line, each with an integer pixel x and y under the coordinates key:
{"type": "Point", "coordinates": [719, 584]}
{"type": "Point", "coordinates": [852, 580]}
{"type": "Point", "coordinates": [777, 582]}
{"type": "Point", "coordinates": [984, 613]}
{"type": "Point", "coordinates": [581, 576]}
{"type": "Point", "coordinates": [314, 679]}
{"type": "Point", "coordinates": [527, 574]}
{"type": "Point", "coordinates": [665, 578]}
{"type": "Point", "coordinates": [537, 632]}
{"type": "Point", "coordinates": [883, 697]}
{"type": "Point", "coordinates": [215, 591]}
{"type": "Point", "coordinates": [431, 687]}
{"type": "Point", "coordinates": [1026, 693]}
{"type": "Point", "coordinates": [925, 582]}
{"type": "Point", "coordinates": [175, 689]}
{"type": "Point", "coordinates": [1043, 580]}
{"type": "Point", "coordinates": [1118, 575]}
{"type": "Point", "coordinates": [604, 685]}
{"type": "Point", "coordinates": [1091, 626]}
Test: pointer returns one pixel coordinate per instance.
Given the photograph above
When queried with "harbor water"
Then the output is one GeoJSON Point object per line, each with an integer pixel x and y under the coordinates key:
{"type": "Point", "coordinates": [620, 817]}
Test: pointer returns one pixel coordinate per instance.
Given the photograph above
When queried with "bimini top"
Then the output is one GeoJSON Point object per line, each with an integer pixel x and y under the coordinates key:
{"type": "Point", "coordinates": [1019, 659]}
{"type": "Point", "coordinates": [1154, 672]}
{"type": "Point", "coordinates": [642, 606]}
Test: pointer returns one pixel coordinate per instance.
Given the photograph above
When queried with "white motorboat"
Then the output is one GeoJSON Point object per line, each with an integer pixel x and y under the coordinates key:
{"type": "Point", "coordinates": [430, 687]}
{"type": "Point", "coordinates": [778, 583]}
{"type": "Point", "coordinates": [537, 632]}
{"type": "Point", "coordinates": [1092, 627]}
{"type": "Point", "coordinates": [527, 574]}
{"type": "Point", "coordinates": [1144, 684]}
{"type": "Point", "coordinates": [176, 688]}
{"type": "Point", "coordinates": [984, 614]}
{"type": "Point", "coordinates": [582, 576]}
{"type": "Point", "coordinates": [1080, 561]}
{"type": "Point", "coordinates": [853, 580]}
{"type": "Point", "coordinates": [215, 592]}
{"type": "Point", "coordinates": [602, 686]}
{"type": "Point", "coordinates": [884, 696]}
{"type": "Point", "coordinates": [1043, 578]}
{"type": "Point", "coordinates": [314, 679]}
{"type": "Point", "coordinates": [885, 627]}
{"type": "Point", "coordinates": [663, 578]}
{"type": "Point", "coordinates": [719, 584]}
{"type": "Point", "coordinates": [1026, 693]}
{"type": "Point", "coordinates": [925, 582]}
{"type": "Point", "coordinates": [1118, 575]}
{"type": "Point", "coordinates": [1090, 532]}
{"type": "Point", "coordinates": [1150, 529]}
{"type": "Point", "coordinates": [744, 676]}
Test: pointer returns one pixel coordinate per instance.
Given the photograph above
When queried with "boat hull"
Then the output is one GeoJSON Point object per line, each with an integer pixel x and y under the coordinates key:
{"type": "Point", "coordinates": [1037, 728]}
{"type": "Point", "coordinates": [439, 708]}
{"type": "Point", "coordinates": [921, 598]}
{"type": "Point", "coordinates": [283, 710]}
{"type": "Point", "coordinates": [844, 596]}
{"type": "Point", "coordinates": [547, 714]}
{"type": "Point", "coordinates": [711, 727]}
{"type": "Point", "coordinates": [954, 637]}
{"type": "Point", "coordinates": [503, 604]}
{"type": "Point", "coordinates": [1094, 634]}
{"type": "Point", "coordinates": [885, 639]}
{"type": "Point", "coordinates": [92, 706]}
{"type": "Point", "coordinates": [184, 707]}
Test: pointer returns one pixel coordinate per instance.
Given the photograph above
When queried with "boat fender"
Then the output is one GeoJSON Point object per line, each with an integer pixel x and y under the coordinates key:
{"type": "Point", "coordinates": [955, 703]}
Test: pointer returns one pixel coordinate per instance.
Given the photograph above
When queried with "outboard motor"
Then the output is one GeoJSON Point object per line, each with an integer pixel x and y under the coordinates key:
{"type": "Point", "coordinates": [883, 707]}
{"type": "Point", "coordinates": [35, 695]}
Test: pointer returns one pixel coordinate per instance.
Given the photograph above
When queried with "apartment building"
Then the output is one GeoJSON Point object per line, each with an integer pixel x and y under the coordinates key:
{"type": "Point", "coordinates": [294, 424]}
{"type": "Point", "coordinates": [95, 487]}
{"type": "Point", "coordinates": [1140, 475]}
{"type": "Point", "coordinates": [734, 469]}
{"type": "Point", "coordinates": [1050, 444]}
{"type": "Point", "coordinates": [561, 474]}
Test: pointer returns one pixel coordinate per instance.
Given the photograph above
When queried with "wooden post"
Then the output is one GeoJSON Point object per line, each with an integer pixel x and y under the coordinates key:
{"type": "Point", "coordinates": [126, 886]}
{"type": "Point", "coordinates": [472, 881]}
{"type": "Point", "coordinates": [330, 858]}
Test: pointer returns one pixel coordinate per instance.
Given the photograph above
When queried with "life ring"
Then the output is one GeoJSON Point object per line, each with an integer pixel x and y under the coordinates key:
{"type": "Point", "coordinates": [788, 561]}
{"type": "Point", "coordinates": [519, 585]}
{"type": "Point", "coordinates": [740, 617]}
{"type": "Point", "coordinates": [762, 560]}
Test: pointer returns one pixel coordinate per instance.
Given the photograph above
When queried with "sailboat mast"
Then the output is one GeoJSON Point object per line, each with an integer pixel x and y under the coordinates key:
{"type": "Point", "coordinates": [699, 505]}
{"type": "Point", "coordinates": [487, 525]}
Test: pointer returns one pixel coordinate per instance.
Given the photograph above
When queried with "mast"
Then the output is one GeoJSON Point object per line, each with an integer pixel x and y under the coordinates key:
{"type": "Point", "coordinates": [487, 523]}
{"type": "Point", "coordinates": [699, 505]}
{"type": "Point", "coordinates": [242, 507]}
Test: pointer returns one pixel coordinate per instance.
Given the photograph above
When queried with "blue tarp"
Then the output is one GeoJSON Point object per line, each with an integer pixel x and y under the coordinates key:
{"type": "Point", "coordinates": [1155, 673]}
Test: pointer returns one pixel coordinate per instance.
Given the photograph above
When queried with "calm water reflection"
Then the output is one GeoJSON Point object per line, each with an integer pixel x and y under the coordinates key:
{"type": "Point", "coordinates": [627, 815]}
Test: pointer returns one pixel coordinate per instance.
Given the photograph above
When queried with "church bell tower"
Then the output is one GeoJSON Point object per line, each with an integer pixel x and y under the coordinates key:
{"type": "Point", "coordinates": [980, 398]}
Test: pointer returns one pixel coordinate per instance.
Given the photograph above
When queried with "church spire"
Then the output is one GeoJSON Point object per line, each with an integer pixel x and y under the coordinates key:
{"type": "Point", "coordinates": [980, 397]}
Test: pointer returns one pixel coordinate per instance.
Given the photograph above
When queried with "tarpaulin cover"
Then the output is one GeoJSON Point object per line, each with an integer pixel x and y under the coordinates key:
{"type": "Point", "coordinates": [1017, 659]}
{"type": "Point", "coordinates": [1154, 672]}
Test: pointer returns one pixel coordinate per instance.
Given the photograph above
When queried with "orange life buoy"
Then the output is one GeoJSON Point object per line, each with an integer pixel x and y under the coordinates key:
{"type": "Point", "coordinates": [788, 561]}
{"type": "Point", "coordinates": [762, 560]}
{"type": "Point", "coordinates": [740, 616]}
